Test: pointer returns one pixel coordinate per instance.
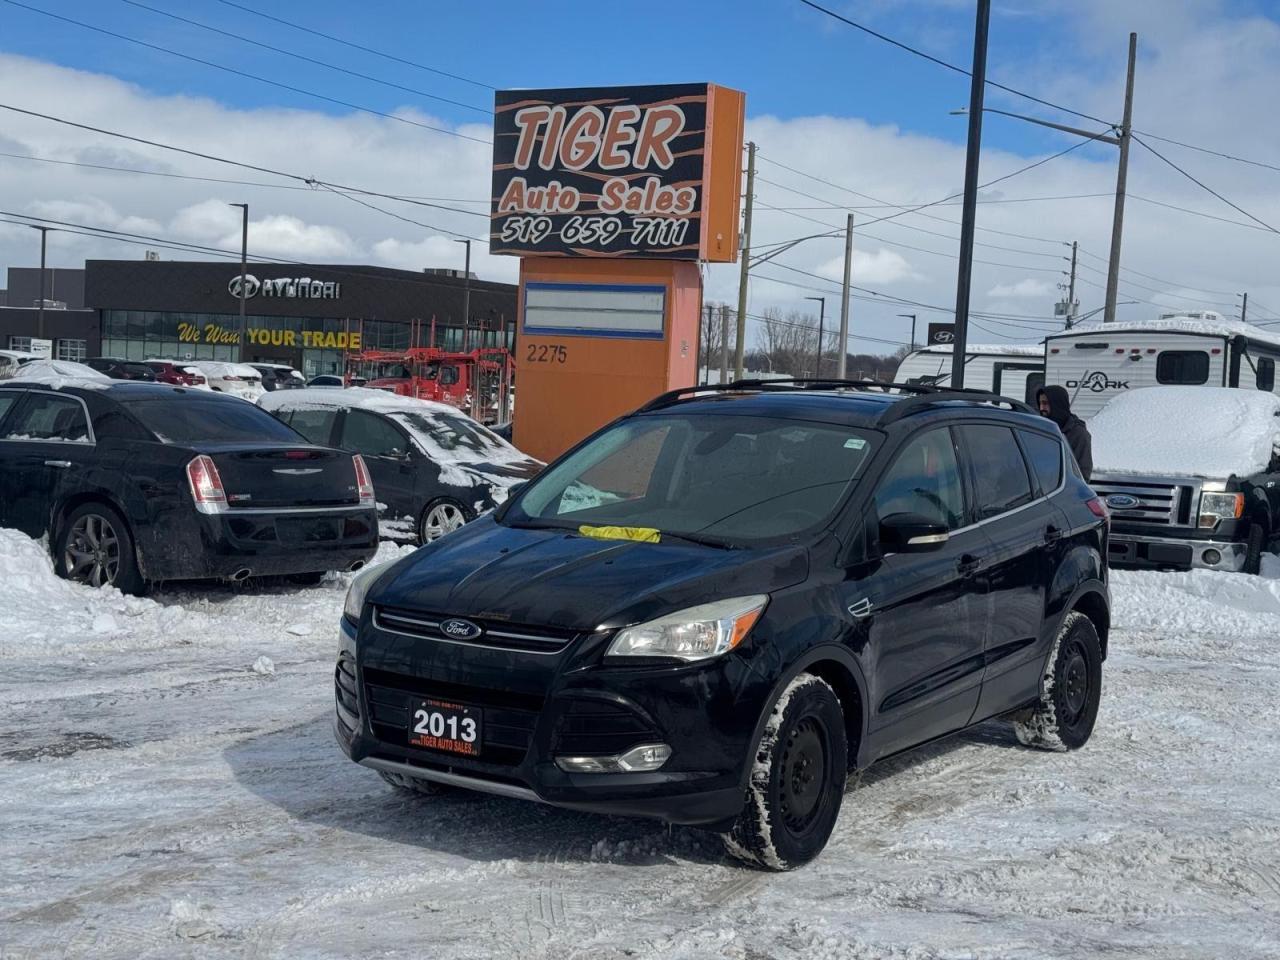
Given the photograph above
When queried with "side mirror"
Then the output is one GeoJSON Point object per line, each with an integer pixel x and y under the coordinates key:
{"type": "Point", "coordinates": [912, 533]}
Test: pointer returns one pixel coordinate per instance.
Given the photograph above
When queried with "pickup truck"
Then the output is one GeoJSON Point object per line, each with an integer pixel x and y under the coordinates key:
{"type": "Point", "coordinates": [1191, 477]}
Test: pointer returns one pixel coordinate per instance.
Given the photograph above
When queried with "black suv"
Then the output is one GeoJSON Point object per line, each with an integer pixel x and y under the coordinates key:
{"type": "Point", "coordinates": [714, 608]}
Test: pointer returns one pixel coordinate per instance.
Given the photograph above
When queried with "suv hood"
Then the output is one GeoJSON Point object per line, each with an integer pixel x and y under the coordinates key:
{"type": "Point", "coordinates": [556, 578]}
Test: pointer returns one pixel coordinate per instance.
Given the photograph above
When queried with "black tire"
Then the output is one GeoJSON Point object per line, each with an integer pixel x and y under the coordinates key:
{"type": "Point", "coordinates": [1071, 690]}
{"type": "Point", "coordinates": [422, 788]}
{"type": "Point", "coordinates": [797, 779]}
{"type": "Point", "coordinates": [95, 547]}
{"type": "Point", "coordinates": [306, 579]}
{"type": "Point", "coordinates": [436, 510]}
{"type": "Point", "coordinates": [1253, 552]}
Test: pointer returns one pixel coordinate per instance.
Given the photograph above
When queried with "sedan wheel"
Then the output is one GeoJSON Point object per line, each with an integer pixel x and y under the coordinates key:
{"type": "Point", "coordinates": [93, 551]}
{"type": "Point", "coordinates": [440, 518]}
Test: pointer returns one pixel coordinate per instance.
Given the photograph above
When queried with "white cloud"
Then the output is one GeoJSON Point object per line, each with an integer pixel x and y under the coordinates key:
{"type": "Point", "coordinates": [1023, 288]}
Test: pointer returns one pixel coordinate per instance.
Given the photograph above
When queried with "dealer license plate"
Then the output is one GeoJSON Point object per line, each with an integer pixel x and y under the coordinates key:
{"type": "Point", "coordinates": [445, 725]}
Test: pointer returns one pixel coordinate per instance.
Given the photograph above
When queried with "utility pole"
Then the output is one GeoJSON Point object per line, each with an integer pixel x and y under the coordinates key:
{"type": "Point", "coordinates": [44, 236]}
{"type": "Point", "coordinates": [822, 316]}
{"type": "Point", "coordinates": [724, 343]}
{"type": "Point", "coordinates": [745, 255]}
{"type": "Point", "coordinates": [1244, 309]}
{"type": "Point", "coordinates": [1071, 286]}
{"type": "Point", "coordinates": [466, 289]}
{"type": "Point", "coordinates": [1122, 179]}
{"type": "Point", "coordinates": [913, 327]}
{"type": "Point", "coordinates": [964, 277]}
{"type": "Point", "coordinates": [844, 300]}
{"type": "Point", "coordinates": [244, 269]}
{"type": "Point", "coordinates": [705, 339]}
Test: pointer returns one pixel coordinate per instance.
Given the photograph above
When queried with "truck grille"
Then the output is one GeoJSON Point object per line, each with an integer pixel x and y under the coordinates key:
{"type": "Point", "coordinates": [1159, 504]}
{"type": "Point", "coordinates": [493, 633]}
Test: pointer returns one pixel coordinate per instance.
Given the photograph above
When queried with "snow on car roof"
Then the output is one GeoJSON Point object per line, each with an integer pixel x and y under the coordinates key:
{"type": "Point", "coordinates": [1218, 327]}
{"type": "Point", "coordinates": [382, 401]}
{"type": "Point", "coordinates": [61, 373]}
{"type": "Point", "coordinates": [220, 368]}
{"type": "Point", "coordinates": [1208, 432]}
{"type": "Point", "coordinates": [999, 349]}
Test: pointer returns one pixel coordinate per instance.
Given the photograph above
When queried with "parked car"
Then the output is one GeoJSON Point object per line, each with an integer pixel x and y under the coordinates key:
{"type": "Point", "coordinates": [178, 373]}
{"type": "Point", "coordinates": [1191, 476]}
{"type": "Point", "coordinates": [279, 376]}
{"type": "Point", "coordinates": [712, 609]}
{"type": "Point", "coordinates": [432, 464]}
{"type": "Point", "coordinates": [134, 483]}
{"type": "Point", "coordinates": [332, 380]}
{"type": "Point", "coordinates": [238, 379]}
{"type": "Point", "coordinates": [118, 369]}
{"type": "Point", "coordinates": [11, 360]}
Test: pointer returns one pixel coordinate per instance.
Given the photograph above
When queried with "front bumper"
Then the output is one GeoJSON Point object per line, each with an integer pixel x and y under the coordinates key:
{"type": "Point", "coordinates": [1165, 553]}
{"type": "Point", "coordinates": [594, 712]}
{"type": "Point", "coordinates": [266, 543]}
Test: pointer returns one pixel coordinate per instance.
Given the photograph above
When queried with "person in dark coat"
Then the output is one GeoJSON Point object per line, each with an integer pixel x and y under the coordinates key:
{"type": "Point", "coordinates": [1055, 404]}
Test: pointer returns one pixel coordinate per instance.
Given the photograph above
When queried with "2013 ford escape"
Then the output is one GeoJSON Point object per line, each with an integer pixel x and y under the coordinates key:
{"type": "Point", "coordinates": [714, 608]}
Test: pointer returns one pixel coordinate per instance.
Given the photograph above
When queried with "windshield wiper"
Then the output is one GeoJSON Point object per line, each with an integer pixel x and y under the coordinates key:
{"type": "Point", "coordinates": [699, 539]}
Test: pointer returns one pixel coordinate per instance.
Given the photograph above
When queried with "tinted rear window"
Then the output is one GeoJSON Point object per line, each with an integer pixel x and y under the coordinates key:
{"type": "Point", "coordinates": [999, 473]}
{"type": "Point", "coordinates": [187, 419]}
{"type": "Point", "coordinates": [1045, 456]}
{"type": "Point", "coordinates": [1189, 367]}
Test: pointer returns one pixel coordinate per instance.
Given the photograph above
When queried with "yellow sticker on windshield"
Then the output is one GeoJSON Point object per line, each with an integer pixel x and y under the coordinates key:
{"type": "Point", "coordinates": [638, 534]}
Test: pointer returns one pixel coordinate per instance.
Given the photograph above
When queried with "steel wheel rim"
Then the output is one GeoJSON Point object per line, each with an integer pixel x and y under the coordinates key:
{"type": "Point", "coordinates": [441, 519]}
{"type": "Point", "coordinates": [93, 551]}
{"type": "Point", "coordinates": [1075, 683]}
{"type": "Point", "coordinates": [804, 765]}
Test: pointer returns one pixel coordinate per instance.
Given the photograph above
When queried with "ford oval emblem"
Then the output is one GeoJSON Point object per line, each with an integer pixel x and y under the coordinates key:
{"type": "Point", "coordinates": [457, 629]}
{"type": "Point", "coordinates": [1122, 501]}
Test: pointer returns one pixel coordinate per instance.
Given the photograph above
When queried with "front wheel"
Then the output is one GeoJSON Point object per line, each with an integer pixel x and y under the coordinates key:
{"type": "Point", "coordinates": [797, 779]}
{"type": "Point", "coordinates": [1253, 551]}
{"type": "Point", "coordinates": [96, 548]}
{"type": "Point", "coordinates": [1071, 690]}
{"type": "Point", "coordinates": [440, 517]}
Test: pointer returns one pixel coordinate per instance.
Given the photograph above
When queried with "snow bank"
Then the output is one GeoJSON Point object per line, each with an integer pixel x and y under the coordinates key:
{"type": "Point", "coordinates": [60, 373]}
{"type": "Point", "coordinates": [1186, 432]}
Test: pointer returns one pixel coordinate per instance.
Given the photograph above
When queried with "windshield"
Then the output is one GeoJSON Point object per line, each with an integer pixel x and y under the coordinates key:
{"type": "Point", "coordinates": [191, 420]}
{"type": "Point", "coordinates": [447, 436]}
{"type": "Point", "coordinates": [725, 477]}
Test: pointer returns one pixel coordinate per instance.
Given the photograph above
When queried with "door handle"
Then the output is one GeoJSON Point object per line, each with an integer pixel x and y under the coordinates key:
{"type": "Point", "coordinates": [1052, 535]}
{"type": "Point", "coordinates": [60, 464]}
{"type": "Point", "coordinates": [967, 565]}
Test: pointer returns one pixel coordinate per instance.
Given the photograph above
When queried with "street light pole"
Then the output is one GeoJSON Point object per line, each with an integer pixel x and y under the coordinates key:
{"type": "Point", "coordinates": [1122, 179]}
{"type": "Point", "coordinates": [913, 327]}
{"type": "Point", "coordinates": [964, 276]}
{"type": "Point", "coordinates": [44, 236]}
{"type": "Point", "coordinates": [822, 315]}
{"type": "Point", "coordinates": [844, 300]}
{"type": "Point", "coordinates": [466, 290]}
{"type": "Point", "coordinates": [244, 269]}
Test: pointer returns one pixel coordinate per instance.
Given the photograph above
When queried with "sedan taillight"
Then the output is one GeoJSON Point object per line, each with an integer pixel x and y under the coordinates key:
{"type": "Point", "coordinates": [206, 486]}
{"type": "Point", "coordinates": [364, 482]}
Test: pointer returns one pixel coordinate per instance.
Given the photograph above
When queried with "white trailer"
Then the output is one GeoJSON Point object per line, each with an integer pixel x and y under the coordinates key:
{"type": "Point", "coordinates": [1013, 370]}
{"type": "Point", "coordinates": [1100, 361]}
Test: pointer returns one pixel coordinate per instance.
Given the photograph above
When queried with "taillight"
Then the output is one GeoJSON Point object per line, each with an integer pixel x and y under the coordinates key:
{"type": "Point", "coordinates": [1098, 508]}
{"type": "Point", "coordinates": [232, 377]}
{"type": "Point", "coordinates": [364, 482]}
{"type": "Point", "coordinates": [206, 485]}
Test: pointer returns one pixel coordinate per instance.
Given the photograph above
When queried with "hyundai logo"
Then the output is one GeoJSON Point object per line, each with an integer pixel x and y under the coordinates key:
{"type": "Point", "coordinates": [251, 286]}
{"type": "Point", "coordinates": [1122, 501]}
{"type": "Point", "coordinates": [944, 336]}
{"type": "Point", "coordinates": [460, 629]}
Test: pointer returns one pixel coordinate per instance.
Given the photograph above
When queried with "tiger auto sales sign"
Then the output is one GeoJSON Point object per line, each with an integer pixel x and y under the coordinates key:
{"type": "Point", "coordinates": [649, 172]}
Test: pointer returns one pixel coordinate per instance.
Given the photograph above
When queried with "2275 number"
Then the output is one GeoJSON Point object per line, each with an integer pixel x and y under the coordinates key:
{"type": "Point", "coordinates": [547, 353]}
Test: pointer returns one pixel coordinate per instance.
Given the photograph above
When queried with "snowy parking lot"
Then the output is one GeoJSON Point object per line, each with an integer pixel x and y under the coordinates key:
{"type": "Point", "coordinates": [170, 787]}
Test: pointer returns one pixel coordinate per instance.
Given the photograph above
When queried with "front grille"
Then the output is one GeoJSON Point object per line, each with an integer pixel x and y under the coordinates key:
{"type": "Point", "coordinates": [509, 718]}
{"type": "Point", "coordinates": [493, 633]}
{"type": "Point", "coordinates": [595, 728]}
{"type": "Point", "coordinates": [1159, 504]}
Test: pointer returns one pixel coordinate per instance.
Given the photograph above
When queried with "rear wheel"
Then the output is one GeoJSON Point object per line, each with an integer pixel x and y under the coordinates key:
{"type": "Point", "coordinates": [1253, 552]}
{"type": "Point", "coordinates": [1063, 719]}
{"type": "Point", "coordinates": [403, 784]}
{"type": "Point", "coordinates": [797, 779]}
{"type": "Point", "coordinates": [96, 548]}
{"type": "Point", "coordinates": [440, 517]}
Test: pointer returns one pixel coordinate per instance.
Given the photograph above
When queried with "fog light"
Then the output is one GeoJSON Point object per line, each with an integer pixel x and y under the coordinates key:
{"type": "Point", "coordinates": [1211, 557]}
{"type": "Point", "coordinates": [649, 756]}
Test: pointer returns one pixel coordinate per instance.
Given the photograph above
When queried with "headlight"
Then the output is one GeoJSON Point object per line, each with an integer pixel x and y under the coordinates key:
{"type": "Point", "coordinates": [697, 633]}
{"type": "Point", "coordinates": [358, 590]}
{"type": "Point", "coordinates": [1220, 506]}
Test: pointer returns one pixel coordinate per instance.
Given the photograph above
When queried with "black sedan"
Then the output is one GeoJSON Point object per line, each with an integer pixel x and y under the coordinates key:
{"type": "Point", "coordinates": [433, 466]}
{"type": "Point", "coordinates": [135, 483]}
{"type": "Point", "coordinates": [118, 369]}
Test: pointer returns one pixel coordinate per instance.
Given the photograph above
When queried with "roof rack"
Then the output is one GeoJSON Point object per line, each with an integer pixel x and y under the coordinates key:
{"type": "Point", "coordinates": [904, 408]}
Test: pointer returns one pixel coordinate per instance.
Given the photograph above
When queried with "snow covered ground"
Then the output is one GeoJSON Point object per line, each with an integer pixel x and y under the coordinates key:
{"type": "Point", "coordinates": [169, 787]}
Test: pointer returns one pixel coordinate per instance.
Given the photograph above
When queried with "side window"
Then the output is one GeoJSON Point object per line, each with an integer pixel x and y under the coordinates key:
{"type": "Point", "coordinates": [999, 473]}
{"type": "Point", "coordinates": [1045, 456]}
{"type": "Point", "coordinates": [47, 417]}
{"type": "Point", "coordinates": [7, 399]}
{"type": "Point", "coordinates": [369, 435]}
{"type": "Point", "coordinates": [315, 425]}
{"type": "Point", "coordinates": [448, 376]}
{"type": "Point", "coordinates": [1188, 367]}
{"type": "Point", "coordinates": [118, 425]}
{"type": "Point", "coordinates": [1266, 374]}
{"type": "Point", "coordinates": [925, 479]}
{"type": "Point", "coordinates": [1034, 382]}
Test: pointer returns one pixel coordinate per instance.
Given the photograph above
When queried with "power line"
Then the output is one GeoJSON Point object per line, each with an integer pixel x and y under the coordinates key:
{"type": "Point", "coordinates": [306, 59]}
{"type": "Point", "coordinates": [1204, 186]}
{"type": "Point", "coordinates": [1172, 283]}
{"type": "Point", "coordinates": [897, 206]}
{"type": "Point", "coordinates": [389, 213]}
{"type": "Point", "coordinates": [1200, 213]}
{"type": "Point", "coordinates": [247, 75]}
{"type": "Point", "coordinates": [357, 46]}
{"type": "Point", "coordinates": [950, 66]}
{"type": "Point", "coordinates": [1212, 153]}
